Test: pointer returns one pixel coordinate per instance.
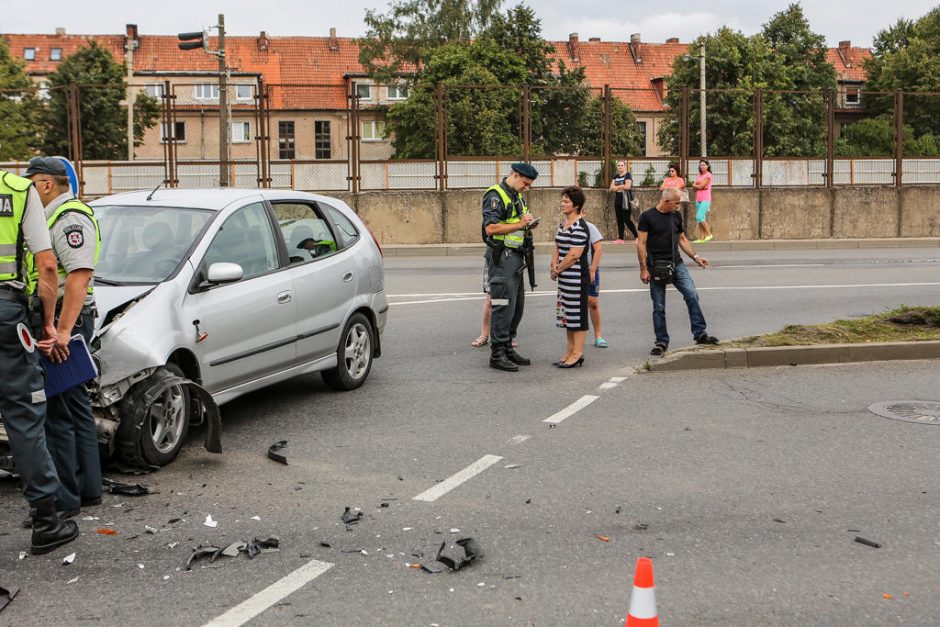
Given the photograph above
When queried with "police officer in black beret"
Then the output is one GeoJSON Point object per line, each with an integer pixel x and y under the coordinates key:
{"type": "Point", "coordinates": [506, 220]}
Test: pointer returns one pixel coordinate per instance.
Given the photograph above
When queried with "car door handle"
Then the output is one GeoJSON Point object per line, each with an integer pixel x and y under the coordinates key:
{"type": "Point", "coordinates": [283, 297]}
{"type": "Point", "coordinates": [347, 277]}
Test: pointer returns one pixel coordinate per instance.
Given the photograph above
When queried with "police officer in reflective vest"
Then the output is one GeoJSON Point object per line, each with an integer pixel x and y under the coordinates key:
{"type": "Point", "coordinates": [506, 219]}
{"type": "Point", "coordinates": [71, 435]}
{"type": "Point", "coordinates": [23, 231]}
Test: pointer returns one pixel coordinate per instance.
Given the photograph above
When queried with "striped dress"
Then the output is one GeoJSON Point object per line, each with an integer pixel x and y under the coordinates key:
{"type": "Point", "coordinates": [573, 283]}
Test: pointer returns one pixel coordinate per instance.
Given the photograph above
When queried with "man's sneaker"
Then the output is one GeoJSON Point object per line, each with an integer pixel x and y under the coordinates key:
{"type": "Point", "coordinates": [709, 237]}
{"type": "Point", "coordinates": [706, 339]}
{"type": "Point", "coordinates": [659, 349]}
{"type": "Point", "coordinates": [698, 241]}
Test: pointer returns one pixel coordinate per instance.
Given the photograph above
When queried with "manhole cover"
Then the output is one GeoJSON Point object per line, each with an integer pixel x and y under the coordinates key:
{"type": "Point", "coordinates": [921, 412]}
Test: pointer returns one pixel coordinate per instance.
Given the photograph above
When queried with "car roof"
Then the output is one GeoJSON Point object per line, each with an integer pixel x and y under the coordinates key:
{"type": "Point", "coordinates": [214, 199]}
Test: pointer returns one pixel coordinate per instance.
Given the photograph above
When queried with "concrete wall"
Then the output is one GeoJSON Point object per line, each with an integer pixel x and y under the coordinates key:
{"type": "Point", "coordinates": [453, 217]}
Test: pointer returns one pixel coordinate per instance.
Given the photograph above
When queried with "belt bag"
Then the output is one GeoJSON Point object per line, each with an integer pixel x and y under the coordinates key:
{"type": "Point", "coordinates": [664, 271]}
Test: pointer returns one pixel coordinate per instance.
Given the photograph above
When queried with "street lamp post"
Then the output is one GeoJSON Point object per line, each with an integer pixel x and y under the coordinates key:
{"type": "Point", "coordinates": [701, 100]}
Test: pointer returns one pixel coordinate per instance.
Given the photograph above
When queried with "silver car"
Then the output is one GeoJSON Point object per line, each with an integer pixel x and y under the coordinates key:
{"type": "Point", "coordinates": [205, 295]}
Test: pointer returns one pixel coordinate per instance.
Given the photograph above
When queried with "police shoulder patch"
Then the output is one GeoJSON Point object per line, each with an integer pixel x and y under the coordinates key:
{"type": "Point", "coordinates": [74, 235]}
{"type": "Point", "coordinates": [494, 203]}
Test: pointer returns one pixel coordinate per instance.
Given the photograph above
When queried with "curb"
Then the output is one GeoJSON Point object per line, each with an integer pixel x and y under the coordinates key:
{"type": "Point", "coordinates": [759, 357]}
{"type": "Point", "coordinates": [426, 250]}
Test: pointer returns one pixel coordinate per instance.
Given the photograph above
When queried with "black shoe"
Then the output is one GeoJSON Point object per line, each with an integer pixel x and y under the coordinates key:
{"type": "Point", "coordinates": [574, 364]}
{"type": "Point", "coordinates": [91, 501]}
{"type": "Point", "coordinates": [500, 361]}
{"type": "Point", "coordinates": [659, 349]}
{"type": "Point", "coordinates": [706, 339]}
{"type": "Point", "coordinates": [71, 513]}
{"type": "Point", "coordinates": [516, 358]}
{"type": "Point", "coordinates": [49, 531]}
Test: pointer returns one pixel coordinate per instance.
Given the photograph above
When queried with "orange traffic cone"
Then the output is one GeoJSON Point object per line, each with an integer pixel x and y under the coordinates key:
{"type": "Point", "coordinates": [643, 600]}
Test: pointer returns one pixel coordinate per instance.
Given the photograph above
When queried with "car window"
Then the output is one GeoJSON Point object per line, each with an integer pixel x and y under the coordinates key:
{"type": "Point", "coordinates": [307, 234]}
{"type": "Point", "coordinates": [246, 238]}
{"type": "Point", "coordinates": [145, 244]}
{"type": "Point", "coordinates": [346, 228]}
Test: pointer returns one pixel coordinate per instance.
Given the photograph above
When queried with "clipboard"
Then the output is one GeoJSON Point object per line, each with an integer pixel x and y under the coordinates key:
{"type": "Point", "coordinates": [77, 369]}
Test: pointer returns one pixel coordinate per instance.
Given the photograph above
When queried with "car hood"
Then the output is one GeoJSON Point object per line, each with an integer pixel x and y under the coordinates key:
{"type": "Point", "coordinates": [111, 297]}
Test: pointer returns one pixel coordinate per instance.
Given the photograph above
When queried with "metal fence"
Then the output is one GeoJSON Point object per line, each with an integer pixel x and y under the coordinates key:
{"type": "Point", "coordinates": [338, 138]}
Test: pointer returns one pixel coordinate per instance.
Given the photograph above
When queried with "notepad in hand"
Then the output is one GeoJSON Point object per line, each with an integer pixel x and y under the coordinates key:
{"type": "Point", "coordinates": [78, 368]}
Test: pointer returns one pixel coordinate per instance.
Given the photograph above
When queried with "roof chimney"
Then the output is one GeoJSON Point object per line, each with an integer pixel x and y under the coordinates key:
{"type": "Point", "coordinates": [334, 42]}
{"type": "Point", "coordinates": [843, 51]}
{"type": "Point", "coordinates": [594, 39]}
{"type": "Point", "coordinates": [131, 32]}
{"type": "Point", "coordinates": [60, 30]}
{"type": "Point", "coordinates": [573, 48]}
{"type": "Point", "coordinates": [672, 40]}
{"type": "Point", "coordinates": [263, 42]}
{"type": "Point", "coordinates": [635, 48]}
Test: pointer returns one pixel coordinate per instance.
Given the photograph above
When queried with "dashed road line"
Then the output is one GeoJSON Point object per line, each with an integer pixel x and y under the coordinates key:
{"type": "Point", "coordinates": [251, 607]}
{"type": "Point", "coordinates": [432, 494]}
{"type": "Point", "coordinates": [571, 409]}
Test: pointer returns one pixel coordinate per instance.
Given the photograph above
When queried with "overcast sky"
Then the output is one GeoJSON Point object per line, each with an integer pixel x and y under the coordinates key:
{"type": "Point", "coordinates": [856, 20]}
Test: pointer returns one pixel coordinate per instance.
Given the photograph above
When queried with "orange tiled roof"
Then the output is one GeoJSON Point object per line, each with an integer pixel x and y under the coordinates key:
{"type": "Point", "coordinates": [849, 62]}
{"type": "Point", "coordinates": [310, 64]}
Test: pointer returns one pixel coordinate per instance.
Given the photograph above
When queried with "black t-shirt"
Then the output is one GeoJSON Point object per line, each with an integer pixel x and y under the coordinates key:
{"type": "Point", "coordinates": [625, 195]}
{"type": "Point", "coordinates": [660, 238]}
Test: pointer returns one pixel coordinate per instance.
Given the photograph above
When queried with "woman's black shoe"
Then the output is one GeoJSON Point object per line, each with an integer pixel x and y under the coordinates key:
{"type": "Point", "coordinates": [574, 364]}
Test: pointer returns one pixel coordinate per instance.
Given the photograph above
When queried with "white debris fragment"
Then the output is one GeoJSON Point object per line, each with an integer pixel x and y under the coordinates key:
{"type": "Point", "coordinates": [172, 545]}
{"type": "Point", "coordinates": [72, 580]}
{"type": "Point", "coordinates": [165, 577]}
{"type": "Point", "coordinates": [140, 566]}
{"type": "Point", "coordinates": [511, 466]}
{"type": "Point", "coordinates": [151, 530]}
{"type": "Point", "coordinates": [407, 528]}
{"type": "Point", "coordinates": [256, 517]}
{"type": "Point", "coordinates": [68, 559]}
{"type": "Point", "coordinates": [22, 554]}
{"type": "Point", "coordinates": [209, 522]}
{"type": "Point", "coordinates": [482, 584]}
{"type": "Point", "coordinates": [670, 554]}
{"type": "Point", "coordinates": [455, 530]}
{"type": "Point", "coordinates": [89, 518]}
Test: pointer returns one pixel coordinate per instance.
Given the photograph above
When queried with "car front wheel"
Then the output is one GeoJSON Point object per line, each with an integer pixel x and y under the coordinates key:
{"type": "Point", "coordinates": [152, 435]}
{"type": "Point", "coordinates": [353, 356]}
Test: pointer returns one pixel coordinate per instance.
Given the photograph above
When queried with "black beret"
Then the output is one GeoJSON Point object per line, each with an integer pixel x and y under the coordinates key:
{"type": "Point", "coordinates": [45, 165]}
{"type": "Point", "coordinates": [526, 170]}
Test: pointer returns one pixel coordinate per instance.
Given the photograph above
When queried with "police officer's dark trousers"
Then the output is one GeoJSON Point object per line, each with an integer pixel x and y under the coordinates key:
{"type": "Point", "coordinates": [23, 406]}
{"type": "Point", "coordinates": [72, 437]}
{"type": "Point", "coordinates": [507, 293]}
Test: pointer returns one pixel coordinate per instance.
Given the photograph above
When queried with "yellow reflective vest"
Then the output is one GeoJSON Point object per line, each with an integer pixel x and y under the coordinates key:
{"type": "Point", "coordinates": [515, 238]}
{"type": "Point", "coordinates": [13, 194]}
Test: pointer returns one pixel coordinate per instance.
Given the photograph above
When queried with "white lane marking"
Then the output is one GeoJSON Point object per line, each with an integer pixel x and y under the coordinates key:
{"type": "Point", "coordinates": [571, 409]}
{"type": "Point", "coordinates": [618, 379]}
{"type": "Point", "coordinates": [445, 486]}
{"type": "Point", "coordinates": [607, 386]}
{"type": "Point", "coordinates": [519, 439]}
{"type": "Point", "coordinates": [251, 607]}
{"type": "Point", "coordinates": [645, 290]}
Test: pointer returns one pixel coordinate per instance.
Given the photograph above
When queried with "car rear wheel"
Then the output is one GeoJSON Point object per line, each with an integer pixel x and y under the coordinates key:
{"type": "Point", "coordinates": [353, 356]}
{"type": "Point", "coordinates": [155, 439]}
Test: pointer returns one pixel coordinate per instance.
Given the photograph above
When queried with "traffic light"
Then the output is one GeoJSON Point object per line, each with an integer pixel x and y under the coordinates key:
{"type": "Point", "coordinates": [192, 41]}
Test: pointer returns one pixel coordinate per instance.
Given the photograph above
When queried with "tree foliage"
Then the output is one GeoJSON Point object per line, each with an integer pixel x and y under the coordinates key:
{"type": "Point", "coordinates": [786, 56]}
{"type": "Point", "coordinates": [101, 93]}
{"type": "Point", "coordinates": [20, 109]}
{"type": "Point", "coordinates": [874, 137]}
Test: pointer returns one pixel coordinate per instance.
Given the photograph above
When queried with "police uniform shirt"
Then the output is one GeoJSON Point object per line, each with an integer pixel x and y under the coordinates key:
{"type": "Point", "coordinates": [34, 228]}
{"type": "Point", "coordinates": [493, 210]}
{"type": "Point", "coordinates": [73, 239]}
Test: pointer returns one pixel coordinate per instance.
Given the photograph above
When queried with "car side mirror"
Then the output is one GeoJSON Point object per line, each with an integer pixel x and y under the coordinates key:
{"type": "Point", "coordinates": [224, 272]}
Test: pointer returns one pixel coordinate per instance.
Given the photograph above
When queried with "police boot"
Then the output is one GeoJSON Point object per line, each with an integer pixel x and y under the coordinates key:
{"type": "Point", "coordinates": [516, 358]}
{"type": "Point", "coordinates": [49, 531]}
{"type": "Point", "coordinates": [499, 359]}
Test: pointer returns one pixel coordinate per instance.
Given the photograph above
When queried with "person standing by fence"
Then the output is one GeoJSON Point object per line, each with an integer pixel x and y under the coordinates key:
{"type": "Point", "coordinates": [703, 200]}
{"type": "Point", "coordinates": [622, 186]}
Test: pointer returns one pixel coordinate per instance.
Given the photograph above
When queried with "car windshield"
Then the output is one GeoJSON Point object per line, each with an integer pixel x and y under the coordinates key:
{"type": "Point", "coordinates": [144, 244]}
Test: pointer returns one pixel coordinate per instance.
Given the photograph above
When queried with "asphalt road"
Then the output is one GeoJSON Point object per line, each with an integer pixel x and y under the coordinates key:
{"type": "Point", "coordinates": [746, 487]}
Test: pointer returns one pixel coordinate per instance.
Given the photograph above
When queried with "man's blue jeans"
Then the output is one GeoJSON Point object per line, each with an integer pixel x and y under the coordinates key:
{"type": "Point", "coordinates": [686, 287]}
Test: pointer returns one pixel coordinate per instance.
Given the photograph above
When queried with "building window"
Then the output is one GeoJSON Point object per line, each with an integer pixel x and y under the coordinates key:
{"type": "Point", "coordinates": [29, 54]}
{"type": "Point", "coordinates": [179, 132]}
{"type": "Point", "coordinates": [44, 91]}
{"type": "Point", "coordinates": [641, 134]}
{"type": "Point", "coordinates": [55, 54]}
{"type": "Point", "coordinates": [244, 92]}
{"type": "Point", "coordinates": [206, 91]}
{"type": "Point", "coordinates": [364, 91]}
{"type": "Point", "coordinates": [154, 90]}
{"type": "Point", "coordinates": [398, 92]}
{"type": "Point", "coordinates": [241, 132]}
{"type": "Point", "coordinates": [321, 139]}
{"type": "Point", "coordinates": [285, 140]}
{"type": "Point", "coordinates": [852, 97]}
{"type": "Point", "coordinates": [372, 130]}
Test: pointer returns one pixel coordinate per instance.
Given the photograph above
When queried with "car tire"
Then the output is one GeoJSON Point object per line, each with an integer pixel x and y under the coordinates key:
{"type": "Point", "coordinates": [354, 355]}
{"type": "Point", "coordinates": [163, 431]}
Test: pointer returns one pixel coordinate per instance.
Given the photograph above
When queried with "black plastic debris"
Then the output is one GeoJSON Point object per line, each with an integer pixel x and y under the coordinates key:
{"type": "Point", "coordinates": [234, 549]}
{"type": "Point", "coordinates": [326, 545]}
{"type": "Point", "coordinates": [7, 595]}
{"type": "Point", "coordinates": [457, 555]}
{"type": "Point", "coordinates": [862, 540]}
{"type": "Point", "coordinates": [273, 452]}
{"type": "Point", "coordinates": [641, 526]}
{"type": "Point", "coordinates": [251, 549]}
{"type": "Point", "coordinates": [350, 517]}
{"type": "Point", "coordinates": [777, 520]}
{"type": "Point", "coordinates": [201, 552]}
{"type": "Point", "coordinates": [126, 489]}
{"type": "Point", "coordinates": [434, 567]}
{"type": "Point", "coordinates": [254, 547]}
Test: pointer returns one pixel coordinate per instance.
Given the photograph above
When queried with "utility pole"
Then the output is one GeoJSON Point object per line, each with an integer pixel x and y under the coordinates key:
{"type": "Point", "coordinates": [225, 133]}
{"type": "Point", "coordinates": [701, 101]}
{"type": "Point", "coordinates": [129, 58]}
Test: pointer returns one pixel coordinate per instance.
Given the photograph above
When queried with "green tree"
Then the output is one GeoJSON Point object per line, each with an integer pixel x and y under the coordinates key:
{"type": "Point", "coordinates": [101, 92]}
{"type": "Point", "coordinates": [20, 109]}
{"type": "Point", "coordinates": [874, 137]}
{"type": "Point", "coordinates": [405, 36]}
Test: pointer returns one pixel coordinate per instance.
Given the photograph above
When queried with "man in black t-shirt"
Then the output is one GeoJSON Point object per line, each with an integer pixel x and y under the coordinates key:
{"type": "Point", "coordinates": [661, 236]}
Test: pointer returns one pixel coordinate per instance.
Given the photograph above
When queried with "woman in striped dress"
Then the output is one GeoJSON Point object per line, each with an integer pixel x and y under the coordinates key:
{"type": "Point", "coordinates": [571, 269]}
